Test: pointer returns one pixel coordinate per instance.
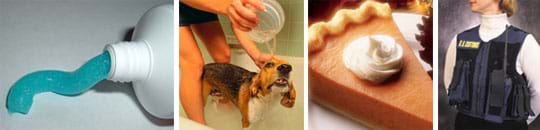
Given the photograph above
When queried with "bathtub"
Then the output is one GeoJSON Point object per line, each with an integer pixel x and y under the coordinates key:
{"type": "Point", "coordinates": [227, 117]}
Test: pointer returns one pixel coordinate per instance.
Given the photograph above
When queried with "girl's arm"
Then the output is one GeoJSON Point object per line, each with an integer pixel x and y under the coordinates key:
{"type": "Point", "coordinates": [529, 62]}
{"type": "Point", "coordinates": [213, 6]}
{"type": "Point", "coordinates": [240, 12]}
{"type": "Point", "coordinates": [449, 63]}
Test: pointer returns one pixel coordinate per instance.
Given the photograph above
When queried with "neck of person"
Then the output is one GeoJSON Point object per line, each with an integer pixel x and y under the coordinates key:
{"type": "Point", "coordinates": [492, 25]}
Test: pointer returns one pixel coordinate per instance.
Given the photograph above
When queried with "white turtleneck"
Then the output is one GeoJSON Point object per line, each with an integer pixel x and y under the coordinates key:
{"type": "Point", "coordinates": [527, 62]}
{"type": "Point", "coordinates": [492, 26]}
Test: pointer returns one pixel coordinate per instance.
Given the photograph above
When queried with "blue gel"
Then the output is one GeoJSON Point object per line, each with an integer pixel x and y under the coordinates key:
{"type": "Point", "coordinates": [64, 83]}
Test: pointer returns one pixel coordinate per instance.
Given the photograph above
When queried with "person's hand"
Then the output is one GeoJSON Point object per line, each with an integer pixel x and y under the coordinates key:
{"type": "Point", "coordinates": [242, 14]}
{"type": "Point", "coordinates": [263, 58]}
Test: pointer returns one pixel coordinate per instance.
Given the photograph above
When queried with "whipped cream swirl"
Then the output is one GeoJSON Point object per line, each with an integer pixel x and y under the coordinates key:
{"type": "Point", "coordinates": [374, 58]}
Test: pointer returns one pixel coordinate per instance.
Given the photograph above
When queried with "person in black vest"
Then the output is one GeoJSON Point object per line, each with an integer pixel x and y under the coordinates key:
{"type": "Point", "coordinates": [492, 71]}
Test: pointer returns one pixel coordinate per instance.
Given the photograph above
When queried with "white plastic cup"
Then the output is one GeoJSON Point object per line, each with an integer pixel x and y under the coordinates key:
{"type": "Point", "coordinates": [271, 21]}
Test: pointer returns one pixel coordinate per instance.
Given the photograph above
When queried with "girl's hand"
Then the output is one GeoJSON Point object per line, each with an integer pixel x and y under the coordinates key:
{"type": "Point", "coordinates": [242, 14]}
{"type": "Point", "coordinates": [263, 58]}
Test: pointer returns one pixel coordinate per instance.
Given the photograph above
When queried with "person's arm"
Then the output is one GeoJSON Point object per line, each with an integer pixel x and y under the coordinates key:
{"type": "Point", "coordinates": [450, 62]}
{"type": "Point", "coordinates": [241, 13]}
{"type": "Point", "coordinates": [251, 48]}
{"type": "Point", "coordinates": [530, 65]}
{"type": "Point", "coordinates": [213, 6]}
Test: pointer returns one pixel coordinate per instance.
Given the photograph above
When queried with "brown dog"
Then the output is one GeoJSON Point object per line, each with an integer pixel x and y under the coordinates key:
{"type": "Point", "coordinates": [251, 92]}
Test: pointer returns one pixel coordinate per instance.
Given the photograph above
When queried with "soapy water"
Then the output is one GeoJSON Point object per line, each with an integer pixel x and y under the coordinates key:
{"type": "Point", "coordinates": [21, 94]}
{"type": "Point", "coordinates": [261, 36]}
{"type": "Point", "coordinates": [263, 32]}
{"type": "Point", "coordinates": [224, 115]}
{"type": "Point", "coordinates": [270, 23]}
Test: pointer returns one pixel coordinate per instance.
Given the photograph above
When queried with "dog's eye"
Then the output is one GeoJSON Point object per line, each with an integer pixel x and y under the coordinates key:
{"type": "Point", "coordinates": [269, 65]}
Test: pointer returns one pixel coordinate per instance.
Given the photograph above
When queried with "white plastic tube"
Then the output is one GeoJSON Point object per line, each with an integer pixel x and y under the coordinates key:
{"type": "Point", "coordinates": [147, 61]}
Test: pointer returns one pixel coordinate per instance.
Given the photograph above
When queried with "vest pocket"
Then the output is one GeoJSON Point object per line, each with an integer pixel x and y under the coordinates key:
{"type": "Point", "coordinates": [497, 96]}
{"type": "Point", "coordinates": [458, 92]}
{"type": "Point", "coordinates": [520, 100]}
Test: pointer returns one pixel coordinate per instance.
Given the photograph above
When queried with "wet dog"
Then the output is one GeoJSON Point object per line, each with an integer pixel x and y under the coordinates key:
{"type": "Point", "coordinates": [253, 93]}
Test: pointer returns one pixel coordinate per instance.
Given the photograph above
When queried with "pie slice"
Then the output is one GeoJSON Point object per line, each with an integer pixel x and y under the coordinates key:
{"type": "Point", "coordinates": [402, 102]}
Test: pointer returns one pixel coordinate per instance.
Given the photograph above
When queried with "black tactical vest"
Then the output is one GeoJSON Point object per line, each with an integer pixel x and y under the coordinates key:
{"type": "Point", "coordinates": [481, 87]}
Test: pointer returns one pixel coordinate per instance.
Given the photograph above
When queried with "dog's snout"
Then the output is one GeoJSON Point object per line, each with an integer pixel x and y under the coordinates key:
{"type": "Point", "coordinates": [284, 68]}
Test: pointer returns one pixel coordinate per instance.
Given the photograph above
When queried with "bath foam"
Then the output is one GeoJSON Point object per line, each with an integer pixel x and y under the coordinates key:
{"type": "Point", "coordinates": [21, 94]}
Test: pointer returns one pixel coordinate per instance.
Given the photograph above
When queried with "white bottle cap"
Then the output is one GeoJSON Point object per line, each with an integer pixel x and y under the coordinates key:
{"type": "Point", "coordinates": [130, 61]}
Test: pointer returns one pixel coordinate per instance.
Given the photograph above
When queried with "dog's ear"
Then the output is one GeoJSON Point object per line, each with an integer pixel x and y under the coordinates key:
{"type": "Point", "coordinates": [254, 87]}
{"type": "Point", "coordinates": [289, 97]}
{"type": "Point", "coordinates": [254, 91]}
{"type": "Point", "coordinates": [292, 91]}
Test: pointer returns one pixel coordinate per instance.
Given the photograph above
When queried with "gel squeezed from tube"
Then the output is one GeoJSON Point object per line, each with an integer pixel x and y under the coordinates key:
{"type": "Point", "coordinates": [21, 94]}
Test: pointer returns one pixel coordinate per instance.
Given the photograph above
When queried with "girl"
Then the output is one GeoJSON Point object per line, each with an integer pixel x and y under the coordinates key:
{"type": "Point", "coordinates": [491, 71]}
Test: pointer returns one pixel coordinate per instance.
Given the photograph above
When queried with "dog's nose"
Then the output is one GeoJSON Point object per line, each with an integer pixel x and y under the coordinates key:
{"type": "Point", "coordinates": [284, 68]}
